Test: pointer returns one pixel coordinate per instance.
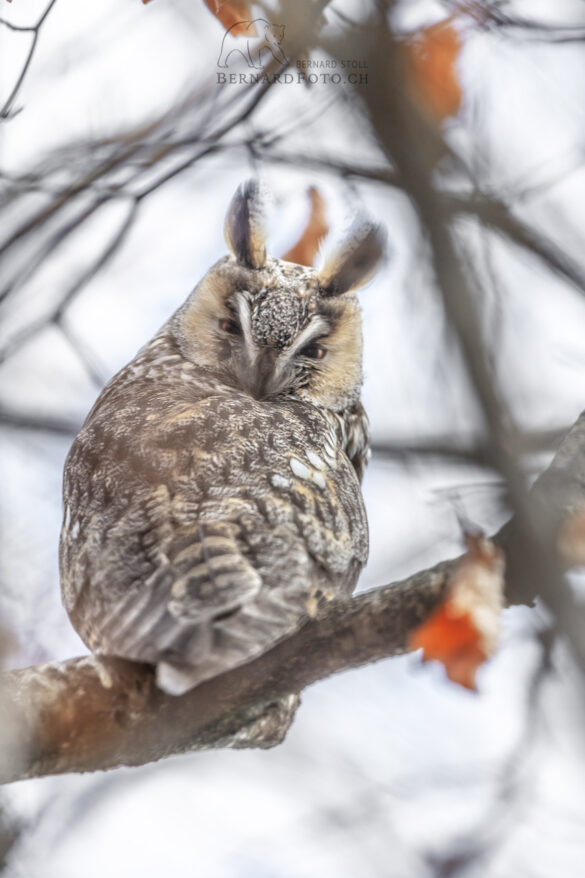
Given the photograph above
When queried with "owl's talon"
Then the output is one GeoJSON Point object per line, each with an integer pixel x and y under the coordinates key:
{"type": "Point", "coordinates": [312, 606]}
{"type": "Point", "coordinates": [269, 726]}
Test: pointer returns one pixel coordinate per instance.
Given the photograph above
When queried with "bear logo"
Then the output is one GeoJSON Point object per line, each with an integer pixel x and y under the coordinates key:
{"type": "Point", "coordinates": [271, 36]}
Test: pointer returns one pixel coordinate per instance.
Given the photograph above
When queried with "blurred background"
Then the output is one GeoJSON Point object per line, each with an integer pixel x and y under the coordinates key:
{"type": "Point", "coordinates": [120, 148]}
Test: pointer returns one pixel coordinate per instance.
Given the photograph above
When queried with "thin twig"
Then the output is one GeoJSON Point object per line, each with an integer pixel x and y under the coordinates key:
{"type": "Point", "coordinates": [38, 423]}
{"type": "Point", "coordinates": [5, 110]}
{"type": "Point", "coordinates": [55, 315]}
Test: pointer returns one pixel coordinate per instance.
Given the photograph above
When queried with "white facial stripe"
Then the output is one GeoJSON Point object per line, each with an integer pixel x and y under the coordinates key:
{"type": "Point", "coordinates": [243, 309]}
{"type": "Point", "coordinates": [318, 326]}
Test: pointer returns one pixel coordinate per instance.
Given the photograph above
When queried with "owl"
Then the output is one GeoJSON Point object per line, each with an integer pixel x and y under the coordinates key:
{"type": "Point", "coordinates": [212, 498]}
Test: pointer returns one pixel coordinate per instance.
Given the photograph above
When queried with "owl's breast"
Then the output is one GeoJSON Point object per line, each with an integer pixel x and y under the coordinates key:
{"type": "Point", "coordinates": [226, 513]}
{"type": "Point", "coordinates": [280, 460]}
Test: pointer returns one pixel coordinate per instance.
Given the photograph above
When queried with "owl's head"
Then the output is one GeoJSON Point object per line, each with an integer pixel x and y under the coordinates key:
{"type": "Point", "coordinates": [276, 329]}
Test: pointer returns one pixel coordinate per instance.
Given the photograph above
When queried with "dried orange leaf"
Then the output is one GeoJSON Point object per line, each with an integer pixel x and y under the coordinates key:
{"type": "Point", "coordinates": [306, 248]}
{"type": "Point", "coordinates": [452, 639]}
{"type": "Point", "coordinates": [235, 15]}
{"type": "Point", "coordinates": [464, 630]}
{"type": "Point", "coordinates": [571, 539]}
{"type": "Point", "coordinates": [431, 69]}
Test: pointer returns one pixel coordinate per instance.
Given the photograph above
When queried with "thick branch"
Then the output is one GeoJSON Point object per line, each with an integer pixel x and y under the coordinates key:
{"type": "Point", "coordinates": [88, 714]}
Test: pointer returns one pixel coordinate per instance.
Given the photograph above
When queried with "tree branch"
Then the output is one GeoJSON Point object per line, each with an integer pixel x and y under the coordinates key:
{"type": "Point", "coordinates": [88, 714]}
{"type": "Point", "coordinates": [6, 110]}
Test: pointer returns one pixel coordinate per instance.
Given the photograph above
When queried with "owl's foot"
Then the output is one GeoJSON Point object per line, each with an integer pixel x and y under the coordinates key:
{"type": "Point", "coordinates": [267, 726]}
{"type": "Point", "coordinates": [316, 600]}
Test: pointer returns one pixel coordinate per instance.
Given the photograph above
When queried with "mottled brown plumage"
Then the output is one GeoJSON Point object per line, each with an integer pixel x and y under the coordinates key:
{"type": "Point", "coordinates": [212, 496]}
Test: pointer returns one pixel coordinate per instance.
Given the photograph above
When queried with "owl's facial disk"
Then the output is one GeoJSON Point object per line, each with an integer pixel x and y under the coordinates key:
{"type": "Point", "coordinates": [274, 342]}
{"type": "Point", "coordinates": [270, 333]}
{"type": "Point", "coordinates": [272, 328]}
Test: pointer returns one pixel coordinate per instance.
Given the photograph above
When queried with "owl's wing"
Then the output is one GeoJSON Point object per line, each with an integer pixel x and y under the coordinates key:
{"type": "Point", "coordinates": [357, 438]}
{"type": "Point", "coordinates": [192, 602]}
{"type": "Point", "coordinates": [183, 553]}
{"type": "Point", "coordinates": [178, 580]}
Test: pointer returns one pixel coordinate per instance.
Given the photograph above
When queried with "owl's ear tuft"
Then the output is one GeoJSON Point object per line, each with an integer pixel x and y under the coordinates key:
{"type": "Point", "coordinates": [244, 225]}
{"type": "Point", "coordinates": [355, 260]}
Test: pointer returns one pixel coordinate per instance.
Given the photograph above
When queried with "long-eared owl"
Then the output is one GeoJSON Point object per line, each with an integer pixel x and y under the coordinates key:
{"type": "Point", "coordinates": [212, 497]}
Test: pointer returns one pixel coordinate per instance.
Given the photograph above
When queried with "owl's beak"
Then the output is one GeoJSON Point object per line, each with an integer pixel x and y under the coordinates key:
{"type": "Point", "coordinates": [264, 374]}
{"type": "Point", "coordinates": [259, 369]}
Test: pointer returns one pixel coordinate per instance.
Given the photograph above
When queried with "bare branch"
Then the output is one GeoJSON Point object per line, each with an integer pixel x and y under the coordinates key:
{"type": "Point", "coordinates": [88, 714]}
{"type": "Point", "coordinates": [495, 17]}
{"type": "Point", "coordinates": [398, 125]}
{"type": "Point", "coordinates": [27, 421]}
{"type": "Point", "coordinates": [6, 110]}
{"type": "Point", "coordinates": [492, 212]}
{"type": "Point", "coordinates": [115, 714]}
{"type": "Point", "coordinates": [497, 216]}
{"type": "Point", "coordinates": [479, 453]}
{"type": "Point", "coordinates": [57, 313]}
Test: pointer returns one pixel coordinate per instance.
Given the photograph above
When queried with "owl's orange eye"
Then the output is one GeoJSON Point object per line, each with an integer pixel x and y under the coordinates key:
{"type": "Point", "coordinates": [314, 351]}
{"type": "Point", "coordinates": [230, 326]}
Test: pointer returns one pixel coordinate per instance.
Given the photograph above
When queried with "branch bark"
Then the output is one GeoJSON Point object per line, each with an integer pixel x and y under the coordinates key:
{"type": "Point", "coordinates": [89, 713]}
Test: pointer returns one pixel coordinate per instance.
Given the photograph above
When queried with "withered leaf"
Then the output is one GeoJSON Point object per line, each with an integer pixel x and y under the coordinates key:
{"type": "Point", "coordinates": [464, 630]}
{"type": "Point", "coordinates": [306, 248]}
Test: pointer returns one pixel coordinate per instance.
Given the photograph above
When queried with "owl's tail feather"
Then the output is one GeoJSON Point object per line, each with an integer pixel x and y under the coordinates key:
{"type": "Point", "coordinates": [191, 654]}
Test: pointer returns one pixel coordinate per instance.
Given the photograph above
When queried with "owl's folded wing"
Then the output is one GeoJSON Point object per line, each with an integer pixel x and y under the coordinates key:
{"type": "Point", "coordinates": [194, 605]}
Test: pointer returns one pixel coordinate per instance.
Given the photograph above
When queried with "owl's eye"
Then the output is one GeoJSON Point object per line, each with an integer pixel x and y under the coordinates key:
{"type": "Point", "coordinates": [230, 326]}
{"type": "Point", "coordinates": [314, 351]}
